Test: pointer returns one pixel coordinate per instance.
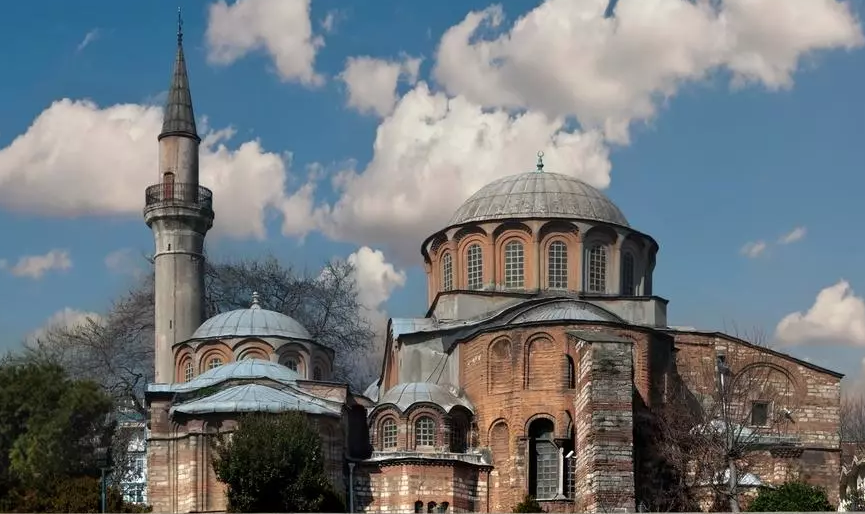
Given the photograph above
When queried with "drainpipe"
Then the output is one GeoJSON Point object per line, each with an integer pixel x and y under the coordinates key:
{"type": "Point", "coordinates": [351, 486]}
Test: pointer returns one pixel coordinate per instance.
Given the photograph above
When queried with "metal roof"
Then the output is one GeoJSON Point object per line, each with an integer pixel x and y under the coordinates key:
{"type": "Point", "coordinates": [178, 118]}
{"type": "Point", "coordinates": [256, 398]}
{"type": "Point", "coordinates": [538, 194]}
{"type": "Point", "coordinates": [247, 369]}
{"type": "Point", "coordinates": [252, 322]}
{"type": "Point", "coordinates": [405, 395]}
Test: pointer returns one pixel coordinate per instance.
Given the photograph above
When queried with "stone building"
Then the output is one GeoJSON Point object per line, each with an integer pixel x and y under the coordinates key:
{"type": "Point", "coordinates": [542, 353]}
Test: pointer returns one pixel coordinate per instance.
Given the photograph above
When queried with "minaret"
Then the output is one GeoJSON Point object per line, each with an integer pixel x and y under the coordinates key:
{"type": "Point", "coordinates": [180, 212]}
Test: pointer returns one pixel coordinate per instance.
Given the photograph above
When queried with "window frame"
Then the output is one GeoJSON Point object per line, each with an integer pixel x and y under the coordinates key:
{"type": "Point", "coordinates": [629, 274]}
{"type": "Point", "coordinates": [389, 440]}
{"type": "Point", "coordinates": [514, 257]}
{"type": "Point", "coordinates": [447, 271]}
{"type": "Point", "coordinates": [557, 275]}
{"type": "Point", "coordinates": [596, 268]}
{"type": "Point", "coordinates": [474, 267]}
{"type": "Point", "coordinates": [425, 434]}
{"type": "Point", "coordinates": [768, 413]}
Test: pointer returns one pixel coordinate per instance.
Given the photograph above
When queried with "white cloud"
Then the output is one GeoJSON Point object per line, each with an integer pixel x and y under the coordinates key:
{"type": "Point", "coordinates": [565, 57]}
{"type": "Point", "coordinates": [433, 152]}
{"type": "Point", "coordinates": [375, 277]}
{"type": "Point", "coordinates": [280, 27]}
{"type": "Point", "coordinates": [90, 37]}
{"type": "Point", "coordinates": [754, 249]}
{"type": "Point", "coordinates": [837, 317]}
{"type": "Point", "coordinates": [66, 318]}
{"type": "Point", "coordinates": [125, 261]}
{"type": "Point", "coordinates": [372, 83]}
{"type": "Point", "coordinates": [36, 266]}
{"type": "Point", "coordinates": [797, 234]}
{"type": "Point", "coordinates": [79, 159]}
{"type": "Point", "coordinates": [331, 20]}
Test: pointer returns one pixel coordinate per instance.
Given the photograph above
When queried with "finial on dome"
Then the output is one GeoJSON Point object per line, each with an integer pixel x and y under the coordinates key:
{"type": "Point", "coordinates": [255, 304]}
{"type": "Point", "coordinates": [541, 160]}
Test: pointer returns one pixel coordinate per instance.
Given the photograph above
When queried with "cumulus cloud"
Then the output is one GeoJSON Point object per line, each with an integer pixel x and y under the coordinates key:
{"type": "Point", "coordinates": [566, 57]}
{"type": "Point", "coordinates": [66, 318]}
{"type": "Point", "coordinates": [837, 317]}
{"type": "Point", "coordinates": [434, 151]}
{"type": "Point", "coordinates": [282, 28]}
{"type": "Point", "coordinates": [79, 159]}
{"type": "Point", "coordinates": [753, 249]}
{"type": "Point", "coordinates": [372, 83]}
{"type": "Point", "coordinates": [36, 266]}
{"type": "Point", "coordinates": [797, 234]}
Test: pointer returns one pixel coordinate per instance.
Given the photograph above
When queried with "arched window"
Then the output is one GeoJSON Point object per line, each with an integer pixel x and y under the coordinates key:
{"type": "Point", "coordinates": [188, 371]}
{"type": "Point", "coordinates": [475, 267]}
{"type": "Point", "coordinates": [316, 373]}
{"type": "Point", "coordinates": [291, 363]}
{"type": "Point", "coordinates": [628, 286]}
{"type": "Point", "coordinates": [514, 260]}
{"type": "Point", "coordinates": [418, 507]}
{"type": "Point", "coordinates": [447, 272]}
{"type": "Point", "coordinates": [167, 185]}
{"type": "Point", "coordinates": [424, 431]}
{"type": "Point", "coordinates": [214, 363]}
{"type": "Point", "coordinates": [388, 434]}
{"type": "Point", "coordinates": [544, 464]}
{"type": "Point", "coordinates": [459, 430]}
{"type": "Point", "coordinates": [570, 373]}
{"type": "Point", "coordinates": [597, 269]}
{"type": "Point", "coordinates": [557, 265]}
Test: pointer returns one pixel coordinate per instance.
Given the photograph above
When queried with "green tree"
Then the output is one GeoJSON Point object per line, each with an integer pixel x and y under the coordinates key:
{"type": "Point", "coordinates": [274, 463]}
{"type": "Point", "coordinates": [50, 427]}
{"type": "Point", "coordinates": [791, 497]}
{"type": "Point", "coordinates": [529, 504]}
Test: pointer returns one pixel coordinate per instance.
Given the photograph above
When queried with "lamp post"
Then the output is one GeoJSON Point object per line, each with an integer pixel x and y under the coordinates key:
{"type": "Point", "coordinates": [103, 460]}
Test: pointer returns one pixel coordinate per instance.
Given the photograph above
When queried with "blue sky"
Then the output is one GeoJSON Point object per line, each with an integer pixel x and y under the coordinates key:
{"type": "Point", "coordinates": [711, 136]}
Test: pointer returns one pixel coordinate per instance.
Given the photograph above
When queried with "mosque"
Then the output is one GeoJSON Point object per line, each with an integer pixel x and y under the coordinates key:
{"type": "Point", "coordinates": [543, 345]}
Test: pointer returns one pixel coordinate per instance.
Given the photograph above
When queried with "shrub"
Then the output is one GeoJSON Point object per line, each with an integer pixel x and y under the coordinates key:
{"type": "Point", "coordinates": [791, 497]}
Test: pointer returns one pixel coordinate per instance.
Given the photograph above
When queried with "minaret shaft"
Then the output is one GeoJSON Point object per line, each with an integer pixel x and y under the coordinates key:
{"type": "Point", "coordinates": [180, 213]}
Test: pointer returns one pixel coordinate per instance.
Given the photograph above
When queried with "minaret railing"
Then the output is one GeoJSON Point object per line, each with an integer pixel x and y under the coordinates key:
{"type": "Point", "coordinates": [178, 193]}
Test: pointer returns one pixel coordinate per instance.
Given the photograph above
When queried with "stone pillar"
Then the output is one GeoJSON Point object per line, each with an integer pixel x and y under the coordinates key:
{"type": "Point", "coordinates": [604, 467]}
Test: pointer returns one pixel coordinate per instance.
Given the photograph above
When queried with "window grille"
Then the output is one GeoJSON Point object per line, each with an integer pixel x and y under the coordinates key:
{"type": "Point", "coordinates": [188, 371]}
{"type": "Point", "coordinates": [475, 267]}
{"type": "Point", "coordinates": [388, 434]}
{"type": "Point", "coordinates": [214, 363]}
{"type": "Point", "coordinates": [557, 266]}
{"type": "Point", "coordinates": [514, 261]}
{"type": "Point", "coordinates": [447, 272]}
{"type": "Point", "coordinates": [597, 269]}
{"type": "Point", "coordinates": [424, 432]}
{"type": "Point", "coordinates": [547, 458]}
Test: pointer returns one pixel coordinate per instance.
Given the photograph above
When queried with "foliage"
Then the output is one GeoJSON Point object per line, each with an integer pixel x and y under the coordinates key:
{"type": "Point", "coordinates": [274, 463]}
{"type": "Point", "coordinates": [50, 427]}
{"type": "Point", "coordinates": [855, 500]}
{"type": "Point", "coordinates": [791, 497]}
{"type": "Point", "coordinates": [529, 504]}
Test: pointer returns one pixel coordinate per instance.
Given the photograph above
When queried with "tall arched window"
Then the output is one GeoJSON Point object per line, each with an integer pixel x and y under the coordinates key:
{"type": "Point", "coordinates": [514, 260]}
{"type": "Point", "coordinates": [628, 286]}
{"type": "Point", "coordinates": [597, 269]}
{"type": "Point", "coordinates": [214, 363]}
{"type": "Point", "coordinates": [316, 373]}
{"type": "Point", "coordinates": [544, 464]}
{"type": "Point", "coordinates": [291, 363]}
{"type": "Point", "coordinates": [424, 431]}
{"type": "Point", "coordinates": [447, 272]}
{"type": "Point", "coordinates": [475, 267]}
{"type": "Point", "coordinates": [167, 185]}
{"type": "Point", "coordinates": [557, 265]}
{"type": "Point", "coordinates": [570, 372]}
{"type": "Point", "coordinates": [188, 371]}
{"type": "Point", "coordinates": [388, 434]}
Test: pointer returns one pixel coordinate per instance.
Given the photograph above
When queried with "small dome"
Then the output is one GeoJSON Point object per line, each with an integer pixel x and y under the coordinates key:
{"type": "Point", "coordinates": [247, 369]}
{"type": "Point", "coordinates": [251, 322]}
{"type": "Point", "coordinates": [405, 395]}
{"type": "Point", "coordinates": [538, 194]}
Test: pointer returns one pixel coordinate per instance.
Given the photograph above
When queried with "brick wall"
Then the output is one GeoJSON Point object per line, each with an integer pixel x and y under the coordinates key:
{"type": "Point", "coordinates": [811, 394]}
{"type": "Point", "coordinates": [396, 487]}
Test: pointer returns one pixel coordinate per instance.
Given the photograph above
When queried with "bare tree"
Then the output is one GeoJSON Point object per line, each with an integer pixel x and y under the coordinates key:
{"type": "Point", "coordinates": [716, 432]}
{"type": "Point", "coordinates": [853, 420]}
{"type": "Point", "coordinates": [755, 335]}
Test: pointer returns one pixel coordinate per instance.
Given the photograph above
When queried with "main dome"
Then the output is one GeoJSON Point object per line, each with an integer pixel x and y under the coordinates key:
{"type": "Point", "coordinates": [538, 194]}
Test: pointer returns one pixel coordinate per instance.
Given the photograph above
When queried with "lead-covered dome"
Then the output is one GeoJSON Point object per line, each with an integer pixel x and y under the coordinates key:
{"type": "Point", "coordinates": [251, 322]}
{"type": "Point", "coordinates": [538, 194]}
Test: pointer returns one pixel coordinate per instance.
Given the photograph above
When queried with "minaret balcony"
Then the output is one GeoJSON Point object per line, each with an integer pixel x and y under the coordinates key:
{"type": "Point", "coordinates": [170, 194]}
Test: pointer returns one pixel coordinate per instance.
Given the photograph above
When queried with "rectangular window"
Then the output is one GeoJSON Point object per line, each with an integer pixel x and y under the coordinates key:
{"type": "Point", "coordinates": [548, 469]}
{"type": "Point", "coordinates": [760, 414]}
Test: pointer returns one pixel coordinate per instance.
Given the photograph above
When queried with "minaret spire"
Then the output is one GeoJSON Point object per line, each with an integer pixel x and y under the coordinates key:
{"type": "Point", "coordinates": [179, 118]}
